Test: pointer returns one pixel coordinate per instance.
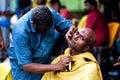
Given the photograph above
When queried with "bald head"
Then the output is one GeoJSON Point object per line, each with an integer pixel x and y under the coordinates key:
{"type": "Point", "coordinates": [89, 35]}
{"type": "Point", "coordinates": [82, 40]}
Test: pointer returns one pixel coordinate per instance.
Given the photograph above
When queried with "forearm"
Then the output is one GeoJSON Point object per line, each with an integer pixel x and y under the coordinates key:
{"type": "Point", "coordinates": [39, 68]}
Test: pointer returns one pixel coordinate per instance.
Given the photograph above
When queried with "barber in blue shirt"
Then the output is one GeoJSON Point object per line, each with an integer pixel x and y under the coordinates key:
{"type": "Point", "coordinates": [32, 42]}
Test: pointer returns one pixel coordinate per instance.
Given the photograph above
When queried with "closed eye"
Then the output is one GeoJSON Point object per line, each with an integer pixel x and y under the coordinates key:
{"type": "Point", "coordinates": [77, 33]}
{"type": "Point", "coordinates": [80, 36]}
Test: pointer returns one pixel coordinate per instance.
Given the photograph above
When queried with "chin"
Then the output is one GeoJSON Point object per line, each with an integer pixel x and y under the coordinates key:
{"type": "Point", "coordinates": [70, 45]}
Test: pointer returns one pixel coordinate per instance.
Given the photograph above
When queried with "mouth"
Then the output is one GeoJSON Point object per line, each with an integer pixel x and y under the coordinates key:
{"type": "Point", "coordinates": [72, 41]}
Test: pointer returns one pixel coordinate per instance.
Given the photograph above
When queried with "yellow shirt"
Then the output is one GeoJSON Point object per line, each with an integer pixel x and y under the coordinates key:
{"type": "Point", "coordinates": [114, 32]}
{"type": "Point", "coordinates": [82, 22]}
{"type": "Point", "coordinates": [84, 67]}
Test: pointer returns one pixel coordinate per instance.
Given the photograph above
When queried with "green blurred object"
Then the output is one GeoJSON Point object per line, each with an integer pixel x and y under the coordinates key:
{"type": "Point", "coordinates": [12, 4]}
{"type": "Point", "coordinates": [73, 5]}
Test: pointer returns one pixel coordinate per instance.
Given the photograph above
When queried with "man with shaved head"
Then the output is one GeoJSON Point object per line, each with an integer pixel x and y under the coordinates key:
{"type": "Point", "coordinates": [83, 66]}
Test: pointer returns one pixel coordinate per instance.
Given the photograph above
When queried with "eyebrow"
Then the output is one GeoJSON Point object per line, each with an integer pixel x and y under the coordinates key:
{"type": "Point", "coordinates": [80, 34]}
{"type": "Point", "coordinates": [86, 39]}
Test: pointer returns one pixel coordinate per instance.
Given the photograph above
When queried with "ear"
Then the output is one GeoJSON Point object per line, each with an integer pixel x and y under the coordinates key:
{"type": "Point", "coordinates": [86, 48]}
{"type": "Point", "coordinates": [33, 24]}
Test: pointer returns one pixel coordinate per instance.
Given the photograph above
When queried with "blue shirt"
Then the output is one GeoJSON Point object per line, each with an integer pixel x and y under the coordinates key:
{"type": "Point", "coordinates": [28, 46]}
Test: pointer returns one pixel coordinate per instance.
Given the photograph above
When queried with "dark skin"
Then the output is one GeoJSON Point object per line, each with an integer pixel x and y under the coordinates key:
{"type": "Point", "coordinates": [70, 33]}
{"type": "Point", "coordinates": [41, 2]}
{"type": "Point", "coordinates": [88, 7]}
{"type": "Point", "coordinates": [81, 41]}
{"type": "Point", "coordinates": [42, 68]}
{"type": "Point", "coordinates": [56, 6]}
{"type": "Point", "coordinates": [1, 41]}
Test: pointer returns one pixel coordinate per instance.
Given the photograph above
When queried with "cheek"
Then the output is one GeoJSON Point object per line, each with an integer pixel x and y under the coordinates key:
{"type": "Point", "coordinates": [80, 44]}
{"type": "Point", "coordinates": [57, 8]}
{"type": "Point", "coordinates": [86, 7]}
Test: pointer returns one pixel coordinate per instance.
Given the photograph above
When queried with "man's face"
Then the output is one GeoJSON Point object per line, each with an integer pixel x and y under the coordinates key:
{"type": "Point", "coordinates": [40, 2]}
{"type": "Point", "coordinates": [41, 28]}
{"type": "Point", "coordinates": [87, 8]}
{"type": "Point", "coordinates": [56, 6]}
{"type": "Point", "coordinates": [79, 39]}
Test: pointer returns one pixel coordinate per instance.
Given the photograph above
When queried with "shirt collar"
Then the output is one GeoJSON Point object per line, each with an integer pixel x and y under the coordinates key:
{"type": "Point", "coordinates": [32, 29]}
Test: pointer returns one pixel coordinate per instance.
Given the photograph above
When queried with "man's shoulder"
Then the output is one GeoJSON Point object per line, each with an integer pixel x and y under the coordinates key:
{"type": "Point", "coordinates": [55, 13]}
{"type": "Point", "coordinates": [90, 66]}
{"type": "Point", "coordinates": [23, 22]}
{"type": "Point", "coordinates": [52, 10]}
{"type": "Point", "coordinates": [20, 28]}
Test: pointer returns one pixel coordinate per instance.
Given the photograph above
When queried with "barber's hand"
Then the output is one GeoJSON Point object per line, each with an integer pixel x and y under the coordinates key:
{"type": "Point", "coordinates": [1, 45]}
{"type": "Point", "coordinates": [70, 33]}
{"type": "Point", "coordinates": [63, 62]}
{"type": "Point", "coordinates": [118, 59]}
{"type": "Point", "coordinates": [1, 41]}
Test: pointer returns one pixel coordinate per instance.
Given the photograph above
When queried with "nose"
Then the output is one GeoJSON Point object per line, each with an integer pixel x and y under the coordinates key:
{"type": "Point", "coordinates": [76, 36]}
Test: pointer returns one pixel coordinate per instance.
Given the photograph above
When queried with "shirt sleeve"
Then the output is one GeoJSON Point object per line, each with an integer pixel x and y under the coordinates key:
{"type": "Point", "coordinates": [22, 46]}
{"type": "Point", "coordinates": [61, 24]}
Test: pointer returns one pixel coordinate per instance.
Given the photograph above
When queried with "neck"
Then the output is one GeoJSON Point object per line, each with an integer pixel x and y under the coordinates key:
{"type": "Point", "coordinates": [74, 52]}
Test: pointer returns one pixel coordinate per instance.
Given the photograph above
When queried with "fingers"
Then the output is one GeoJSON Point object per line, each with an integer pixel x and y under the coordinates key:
{"type": "Point", "coordinates": [73, 30]}
{"type": "Point", "coordinates": [118, 59]}
{"type": "Point", "coordinates": [1, 46]}
{"type": "Point", "coordinates": [66, 60]}
{"type": "Point", "coordinates": [63, 62]}
{"type": "Point", "coordinates": [70, 33]}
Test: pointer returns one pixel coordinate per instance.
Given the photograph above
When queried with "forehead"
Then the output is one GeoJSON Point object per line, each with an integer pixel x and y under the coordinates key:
{"type": "Point", "coordinates": [87, 4]}
{"type": "Point", "coordinates": [84, 32]}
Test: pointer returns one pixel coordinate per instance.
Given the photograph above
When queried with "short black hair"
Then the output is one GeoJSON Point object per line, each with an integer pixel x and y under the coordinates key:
{"type": "Point", "coordinates": [42, 16]}
{"type": "Point", "coordinates": [92, 2]}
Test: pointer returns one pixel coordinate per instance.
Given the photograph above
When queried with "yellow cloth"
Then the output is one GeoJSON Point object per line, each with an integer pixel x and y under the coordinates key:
{"type": "Point", "coordinates": [5, 71]}
{"type": "Point", "coordinates": [74, 21]}
{"type": "Point", "coordinates": [82, 22]}
{"type": "Point", "coordinates": [114, 32]}
{"type": "Point", "coordinates": [81, 69]}
{"type": "Point", "coordinates": [9, 76]}
{"type": "Point", "coordinates": [34, 3]}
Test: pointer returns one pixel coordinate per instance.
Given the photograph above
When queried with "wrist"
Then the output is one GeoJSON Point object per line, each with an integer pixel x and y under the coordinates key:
{"type": "Point", "coordinates": [55, 67]}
